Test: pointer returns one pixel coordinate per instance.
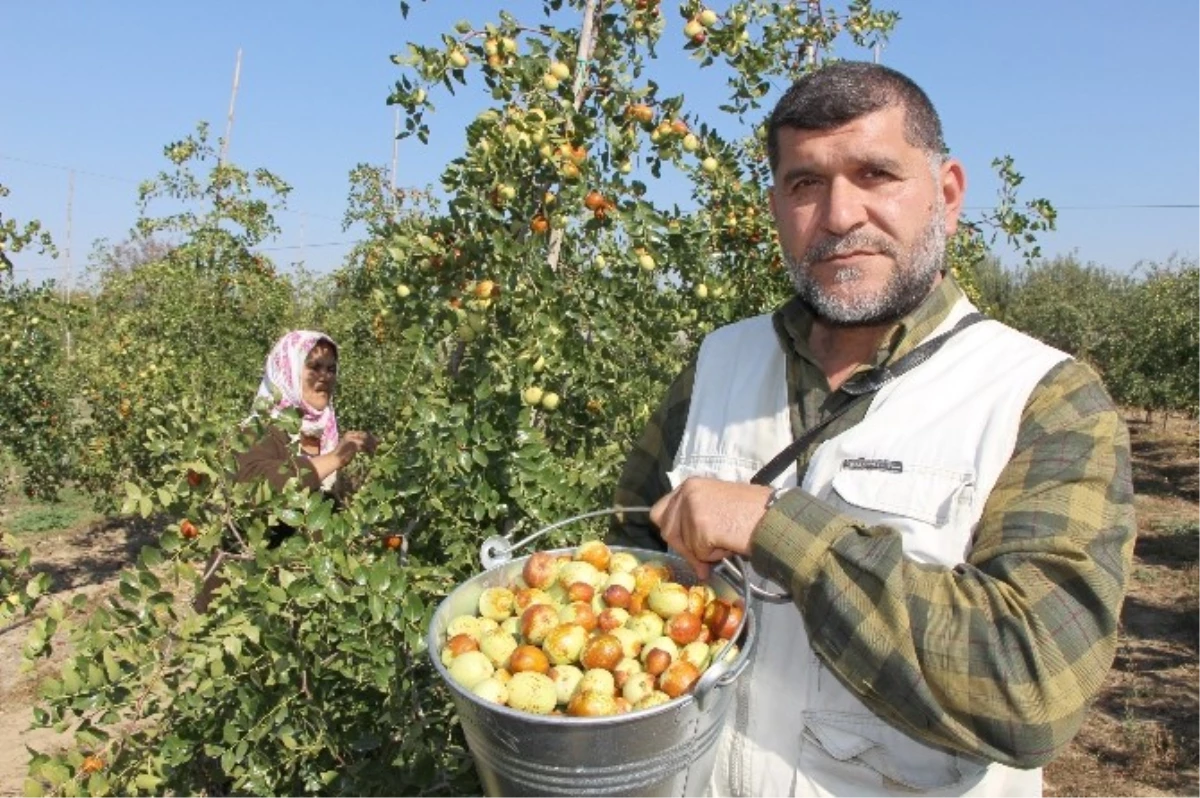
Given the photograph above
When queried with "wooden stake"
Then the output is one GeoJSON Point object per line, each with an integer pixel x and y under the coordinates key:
{"type": "Point", "coordinates": [395, 160]}
{"type": "Point", "coordinates": [237, 73]}
{"type": "Point", "coordinates": [583, 58]}
{"type": "Point", "coordinates": [67, 254]}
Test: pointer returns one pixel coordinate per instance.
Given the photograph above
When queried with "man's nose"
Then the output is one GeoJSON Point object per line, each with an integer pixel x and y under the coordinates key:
{"type": "Point", "coordinates": [845, 207]}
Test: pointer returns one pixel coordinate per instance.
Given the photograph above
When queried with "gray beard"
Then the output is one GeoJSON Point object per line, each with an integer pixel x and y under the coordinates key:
{"type": "Point", "coordinates": [909, 283]}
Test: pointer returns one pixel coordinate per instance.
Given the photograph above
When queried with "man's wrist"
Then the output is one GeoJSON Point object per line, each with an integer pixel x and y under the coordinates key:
{"type": "Point", "coordinates": [774, 496]}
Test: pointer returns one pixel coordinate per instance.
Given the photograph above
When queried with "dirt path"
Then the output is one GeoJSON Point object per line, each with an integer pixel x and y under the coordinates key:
{"type": "Point", "coordinates": [1139, 740]}
{"type": "Point", "coordinates": [84, 561]}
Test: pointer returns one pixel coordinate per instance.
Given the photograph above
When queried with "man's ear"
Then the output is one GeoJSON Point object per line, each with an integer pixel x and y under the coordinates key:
{"type": "Point", "coordinates": [953, 185]}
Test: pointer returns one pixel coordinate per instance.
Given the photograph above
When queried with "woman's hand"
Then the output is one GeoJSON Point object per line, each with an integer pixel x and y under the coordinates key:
{"type": "Point", "coordinates": [354, 442]}
{"type": "Point", "coordinates": [350, 445]}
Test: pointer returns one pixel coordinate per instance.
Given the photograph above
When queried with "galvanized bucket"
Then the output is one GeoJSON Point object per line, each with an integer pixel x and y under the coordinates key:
{"type": "Point", "coordinates": [667, 750]}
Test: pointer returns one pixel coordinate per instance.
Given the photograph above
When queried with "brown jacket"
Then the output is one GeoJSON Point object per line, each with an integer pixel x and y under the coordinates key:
{"type": "Point", "coordinates": [274, 459]}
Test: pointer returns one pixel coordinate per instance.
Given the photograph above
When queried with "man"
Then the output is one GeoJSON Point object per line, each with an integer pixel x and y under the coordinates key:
{"type": "Point", "coordinates": [956, 543]}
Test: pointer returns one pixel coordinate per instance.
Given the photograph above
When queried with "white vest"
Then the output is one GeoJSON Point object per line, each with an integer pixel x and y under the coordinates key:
{"type": "Point", "coordinates": [923, 461]}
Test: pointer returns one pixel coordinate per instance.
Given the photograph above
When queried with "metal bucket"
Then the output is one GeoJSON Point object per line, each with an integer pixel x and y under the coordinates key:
{"type": "Point", "coordinates": [667, 750]}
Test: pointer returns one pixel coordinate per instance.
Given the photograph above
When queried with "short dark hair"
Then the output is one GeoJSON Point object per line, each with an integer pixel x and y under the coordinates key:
{"type": "Point", "coordinates": [842, 91]}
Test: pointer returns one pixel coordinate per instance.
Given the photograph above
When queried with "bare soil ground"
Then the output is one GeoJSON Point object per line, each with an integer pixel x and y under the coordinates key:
{"type": "Point", "coordinates": [1140, 739]}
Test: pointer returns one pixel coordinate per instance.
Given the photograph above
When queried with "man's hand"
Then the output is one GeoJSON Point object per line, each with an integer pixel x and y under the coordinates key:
{"type": "Point", "coordinates": [706, 520]}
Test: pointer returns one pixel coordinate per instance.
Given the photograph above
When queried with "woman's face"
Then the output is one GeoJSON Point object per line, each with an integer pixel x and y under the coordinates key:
{"type": "Point", "coordinates": [320, 376]}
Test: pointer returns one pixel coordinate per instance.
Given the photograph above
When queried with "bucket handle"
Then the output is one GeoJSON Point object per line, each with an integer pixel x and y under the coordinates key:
{"type": "Point", "coordinates": [498, 550]}
{"type": "Point", "coordinates": [735, 575]}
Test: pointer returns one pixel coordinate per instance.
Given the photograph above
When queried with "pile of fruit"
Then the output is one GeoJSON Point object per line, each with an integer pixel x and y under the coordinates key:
{"type": "Point", "coordinates": [592, 633]}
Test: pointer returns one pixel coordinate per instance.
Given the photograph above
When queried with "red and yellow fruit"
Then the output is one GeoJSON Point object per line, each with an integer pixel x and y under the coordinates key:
{"type": "Point", "coordinates": [592, 633]}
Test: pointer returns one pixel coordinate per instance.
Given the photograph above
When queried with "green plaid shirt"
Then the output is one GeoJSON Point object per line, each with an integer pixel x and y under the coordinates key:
{"type": "Point", "coordinates": [1033, 610]}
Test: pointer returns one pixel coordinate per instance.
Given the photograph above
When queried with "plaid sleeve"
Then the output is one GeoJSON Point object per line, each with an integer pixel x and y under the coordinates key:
{"type": "Point", "coordinates": [644, 479]}
{"type": "Point", "coordinates": [1001, 656]}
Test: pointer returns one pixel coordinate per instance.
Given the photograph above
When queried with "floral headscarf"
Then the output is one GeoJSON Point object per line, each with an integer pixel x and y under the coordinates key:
{"type": "Point", "coordinates": [283, 381]}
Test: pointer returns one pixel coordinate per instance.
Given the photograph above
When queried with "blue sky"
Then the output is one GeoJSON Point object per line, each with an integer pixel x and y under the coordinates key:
{"type": "Point", "coordinates": [1097, 101]}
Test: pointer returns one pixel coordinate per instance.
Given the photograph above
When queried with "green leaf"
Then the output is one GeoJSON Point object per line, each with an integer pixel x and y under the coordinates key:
{"type": "Point", "coordinates": [151, 556]}
{"type": "Point", "coordinates": [147, 781]}
{"type": "Point", "coordinates": [111, 665]}
{"type": "Point", "coordinates": [375, 605]}
{"type": "Point", "coordinates": [414, 608]}
{"type": "Point", "coordinates": [98, 784]}
{"type": "Point", "coordinates": [72, 683]}
{"type": "Point", "coordinates": [318, 519]}
{"type": "Point", "coordinates": [55, 773]}
{"type": "Point", "coordinates": [379, 578]}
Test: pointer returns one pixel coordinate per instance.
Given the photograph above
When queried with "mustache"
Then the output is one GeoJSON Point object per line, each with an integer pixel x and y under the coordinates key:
{"type": "Point", "coordinates": [855, 241]}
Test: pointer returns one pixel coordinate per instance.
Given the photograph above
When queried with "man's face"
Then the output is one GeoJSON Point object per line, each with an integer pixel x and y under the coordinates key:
{"type": "Point", "coordinates": [863, 218]}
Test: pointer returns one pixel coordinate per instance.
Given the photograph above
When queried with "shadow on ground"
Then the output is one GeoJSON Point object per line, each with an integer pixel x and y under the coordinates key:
{"type": "Point", "coordinates": [1163, 467]}
{"type": "Point", "coordinates": [117, 542]}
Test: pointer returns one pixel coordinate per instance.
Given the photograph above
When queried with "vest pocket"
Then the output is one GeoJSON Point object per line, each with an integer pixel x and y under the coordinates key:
{"type": "Point", "coordinates": [900, 761]}
{"type": "Point", "coordinates": [930, 507]}
{"type": "Point", "coordinates": [923, 493]}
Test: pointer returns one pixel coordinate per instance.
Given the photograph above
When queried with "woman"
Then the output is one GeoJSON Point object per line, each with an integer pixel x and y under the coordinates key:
{"type": "Point", "coordinates": [300, 373]}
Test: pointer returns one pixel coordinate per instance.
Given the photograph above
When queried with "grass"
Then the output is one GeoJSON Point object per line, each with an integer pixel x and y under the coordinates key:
{"type": "Point", "coordinates": [22, 516]}
{"type": "Point", "coordinates": [1145, 575]}
{"type": "Point", "coordinates": [1178, 527]}
{"type": "Point", "coordinates": [1151, 746]}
